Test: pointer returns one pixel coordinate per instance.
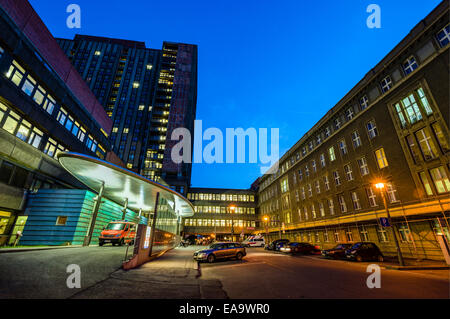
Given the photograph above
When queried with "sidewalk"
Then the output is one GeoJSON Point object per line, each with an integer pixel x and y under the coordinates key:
{"type": "Point", "coordinates": [414, 264]}
{"type": "Point", "coordinates": [174, 275]}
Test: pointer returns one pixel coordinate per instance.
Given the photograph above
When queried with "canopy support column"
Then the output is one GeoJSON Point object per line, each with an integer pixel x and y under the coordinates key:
{"type": "Point", "coordinates": [98, 201]}
{"type": "Point", "coordinates": [155, 213]}
{"type": "Point", "coordinates": [124, 209]}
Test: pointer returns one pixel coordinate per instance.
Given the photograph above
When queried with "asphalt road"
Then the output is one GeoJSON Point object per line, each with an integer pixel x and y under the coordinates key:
{"type": "Point", "coordinates": [268, 275]}
{"type": "Point", "coordinates": [43, 274]}
{"type": "Point", "coordinates": [262, 274]}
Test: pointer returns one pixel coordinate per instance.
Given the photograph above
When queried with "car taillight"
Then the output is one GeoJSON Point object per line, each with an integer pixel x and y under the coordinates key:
{"type": "Point", "coordinates": [316, 247]}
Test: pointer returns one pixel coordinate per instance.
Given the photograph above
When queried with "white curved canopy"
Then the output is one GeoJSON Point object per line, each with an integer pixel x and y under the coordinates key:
{"type": "Point", "coordinates": [121, 184]}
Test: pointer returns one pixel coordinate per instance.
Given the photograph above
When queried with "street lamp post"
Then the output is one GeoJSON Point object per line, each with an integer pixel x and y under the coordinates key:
{"type": "Point", "coordinates": [381, 187]}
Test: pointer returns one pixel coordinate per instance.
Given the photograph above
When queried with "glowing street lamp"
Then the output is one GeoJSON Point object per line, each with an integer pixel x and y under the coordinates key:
{"type": "Point", "coordinates": [381, 187]}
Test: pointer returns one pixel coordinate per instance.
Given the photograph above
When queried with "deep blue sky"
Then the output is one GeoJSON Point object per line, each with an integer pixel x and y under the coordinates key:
{"type": "Point", "coordinates": [267, 63]}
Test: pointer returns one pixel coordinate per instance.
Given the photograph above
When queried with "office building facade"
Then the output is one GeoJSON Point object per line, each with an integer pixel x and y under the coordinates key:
{"type": "Point", "coordinates": [391, 128]}
{"type": "Point", "coordinates": [222, 214]}
{"type": "Point", "coordinates": [45, 108]}
{"type": "Point", "coordinates": [147, 93]}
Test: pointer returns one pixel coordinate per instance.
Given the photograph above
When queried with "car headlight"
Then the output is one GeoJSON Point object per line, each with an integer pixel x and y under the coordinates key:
{"type": "Point", "coordinates": [201, 255]}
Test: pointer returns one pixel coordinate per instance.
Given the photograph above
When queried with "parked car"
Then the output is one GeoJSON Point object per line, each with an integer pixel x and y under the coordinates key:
{"type": "Point", "coordinates": [300, 248]}
{"type": "Point", "coordinates": [364, 251]}
{"type": "Point", "coordinates": [336, 252]}
{"type": "Point", "coordinates": [254, 242]}
{"type": "Point", "coordinates": [276, 244]}
{"type": "Point", "coordinates": [118, 233]}
{"type": "Point", "coordinates": [221, 250]}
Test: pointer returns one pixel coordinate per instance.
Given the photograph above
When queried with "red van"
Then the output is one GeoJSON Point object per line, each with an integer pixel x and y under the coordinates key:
{"type": "Point", "coordinates": [118, 232]}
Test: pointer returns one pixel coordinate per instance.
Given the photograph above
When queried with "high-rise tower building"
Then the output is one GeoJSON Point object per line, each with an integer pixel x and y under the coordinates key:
{"type": "Point", "coordinates": [147, 93]}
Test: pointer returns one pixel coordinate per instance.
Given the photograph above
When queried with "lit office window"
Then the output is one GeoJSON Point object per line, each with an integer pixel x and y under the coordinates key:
{"type": "Point", "coordinates": [331, 154]}
{"type": "Point", "coordinates": [386, 84]}
{"type": "Point", "coordinates": [424, 100]}
{"type": "Point", "coordinates": [410, 65]}
{"type": "Point", "coordinates": [24, 130]}
{"type": "Point", "coordinates": [381, 158]}
{"type": "Point", "coordinates": [400, 115]}
{"type": "Point", "coordinates": [440, 179]}
{"type": "Point", "coordinates": [441, 138]}
{"type": "Point", "coordinates": [427, 146]}
{"type": "Point", "coordinates": [443, 36]}
{"type": "Point", "coordinates": [11, 122]}
{"type": "Point", "coordinates": [29, 85]}
{"type": "Point", "coordinates": [426, 183]}
{"type": "Point", "coordinates": [62, 115]}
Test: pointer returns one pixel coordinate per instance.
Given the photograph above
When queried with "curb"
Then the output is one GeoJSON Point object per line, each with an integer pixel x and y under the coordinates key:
{"type": "Point", "coordinates": [21, 250]}
{"type": "Point", "coordinates": [418, 267]}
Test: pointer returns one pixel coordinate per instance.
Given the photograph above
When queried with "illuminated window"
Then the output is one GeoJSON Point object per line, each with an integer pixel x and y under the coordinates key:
{"type": "Point", "coordinates": [11, 122]}
{"type": "Point", "coordinates": [381, 158]}
{"type": "Point", "coordinates": [441, 138]}
{"type": "Point", "coordinates": [440, 179]}
{"type": "Point", "coordinates": [331, 154]}
{"type": "Point", "coordinates": [426, 183]}
{"type": "Point", "coordinates": [97, 53]}
{"type": "Point", "coordinates": [424, 101]}
{"type": "Point", "coordinates": [427, 146]}
{"type": "Point", "coordinates": [135, 85]}
{"type": "Point", "coordinates": [29, 85]}
{"type": "Point", "coordinates": [24, 130]}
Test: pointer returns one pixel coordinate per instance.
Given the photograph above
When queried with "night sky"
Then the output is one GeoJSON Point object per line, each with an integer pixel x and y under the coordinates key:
{"type": "Point", "coordinates": [262, 64]}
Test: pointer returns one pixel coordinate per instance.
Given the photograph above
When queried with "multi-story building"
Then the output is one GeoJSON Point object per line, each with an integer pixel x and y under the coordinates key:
{"type": "Point", "coordinates": [223, 214]}
{"type": "Point", "coordinates": [45, 108]}
{"type": "Point", "coordinates": [147, 93]}
{"type": "Point", "coordinates": [392, 127]}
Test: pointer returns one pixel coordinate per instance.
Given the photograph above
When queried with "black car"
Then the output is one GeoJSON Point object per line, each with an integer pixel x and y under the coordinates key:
{"type": "Point", "coordinates": [300, 248]}
{"type": "Point", "coordinates": [337, 251]}
{"type": "Point", "coordinates": [276, 244]}
{"type": "Point", "coordinates": [364, 251]}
